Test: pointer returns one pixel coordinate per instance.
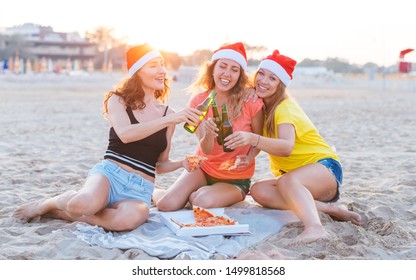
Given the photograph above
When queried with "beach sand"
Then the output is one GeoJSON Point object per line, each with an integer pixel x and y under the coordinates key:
{"type": "Point", "coordinates": [52, 132]}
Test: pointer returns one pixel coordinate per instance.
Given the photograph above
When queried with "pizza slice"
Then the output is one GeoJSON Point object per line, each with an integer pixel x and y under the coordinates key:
{"type": "Point", "coordinates": [194, 161]}
{"type": "Point", "coordinates": [230, 164]}
{"type": "Point", "coordinates": [204, 218]}
{"type": "Point", "coordinates": [201, 214]}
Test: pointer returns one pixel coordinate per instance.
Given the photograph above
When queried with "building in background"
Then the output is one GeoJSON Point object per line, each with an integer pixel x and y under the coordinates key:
{"type": "Point", "coordinates": [32, 47]}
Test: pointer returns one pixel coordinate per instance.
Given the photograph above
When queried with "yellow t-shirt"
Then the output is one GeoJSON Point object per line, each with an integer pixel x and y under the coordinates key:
{"type": "Point", "coordinates": [309, 145]}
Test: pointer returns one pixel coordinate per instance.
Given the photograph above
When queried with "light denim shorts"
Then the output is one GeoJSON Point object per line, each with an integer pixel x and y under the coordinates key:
{"type": "Point", "coordinates": [124, 184]}
{"type": "Point", "coordinates": [335, 168]}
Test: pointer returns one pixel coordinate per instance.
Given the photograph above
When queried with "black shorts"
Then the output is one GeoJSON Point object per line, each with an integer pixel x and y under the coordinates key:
{"type": "Point", "coordinates": [242, 184]}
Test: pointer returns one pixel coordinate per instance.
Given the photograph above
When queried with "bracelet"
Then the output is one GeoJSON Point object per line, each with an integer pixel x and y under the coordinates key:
{"type": "Point", "coordinates": [258, 140]}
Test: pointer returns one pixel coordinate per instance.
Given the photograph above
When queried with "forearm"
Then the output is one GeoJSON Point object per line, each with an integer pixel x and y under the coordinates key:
{"type": "Point", "coordinates": [168, 166]}
{"type": "Point", "coordinates": [135, 132]}
{"type": "Point", "coordinates": [277, 147]}
{"type": "Point", "coordinates": [207, 144]}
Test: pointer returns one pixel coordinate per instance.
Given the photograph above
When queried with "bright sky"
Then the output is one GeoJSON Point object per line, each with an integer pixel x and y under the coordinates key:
{"type": "Point", "coordinates": [358, 31]}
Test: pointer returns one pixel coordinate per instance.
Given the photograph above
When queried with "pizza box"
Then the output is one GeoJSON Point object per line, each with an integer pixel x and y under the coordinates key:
{"type": "Point", "coordinates": [187, 216]}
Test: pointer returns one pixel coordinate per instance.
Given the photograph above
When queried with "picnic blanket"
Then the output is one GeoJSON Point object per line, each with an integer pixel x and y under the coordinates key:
{"type": "Point", "coordinates": [157, 240]}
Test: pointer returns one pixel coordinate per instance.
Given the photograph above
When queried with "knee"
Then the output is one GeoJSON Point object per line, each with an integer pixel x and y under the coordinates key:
{"type": "Point", "coordinates": [81, 205]}
{"type": "Point", "coordinates": [128, 223]}
{"type": "Point", "coordinates": [258, 193]}
{"type": "Point", "coordinates": [165, 205]}
{"type": "Point", "coordinates": [202, 201]}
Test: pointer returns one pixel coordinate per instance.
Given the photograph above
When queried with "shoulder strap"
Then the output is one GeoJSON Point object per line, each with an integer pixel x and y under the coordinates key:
{"type": "Point", "coordinates": [131, 115]}
{"type": "Point", "coordinates": [166, 110]}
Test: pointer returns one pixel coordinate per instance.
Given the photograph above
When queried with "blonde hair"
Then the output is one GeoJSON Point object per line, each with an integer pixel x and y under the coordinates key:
{"type": "Point", "coordinates": [205, 80]}
{"type": "Point", "coordinates": [270, 107]}
{"type": "Point", "coordinates": [132, 93]}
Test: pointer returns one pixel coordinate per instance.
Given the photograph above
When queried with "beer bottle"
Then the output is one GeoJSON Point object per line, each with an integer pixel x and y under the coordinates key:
{"type": "Point", "coordinates": [217, 119]}
{"type": "Point", "coordinates": [227, 128]}
{"type": "Point", "coordinates": [203, 107]}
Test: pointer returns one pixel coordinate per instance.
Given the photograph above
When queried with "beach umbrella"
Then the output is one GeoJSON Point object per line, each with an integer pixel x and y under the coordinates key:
{"type": "Point", "coordinates": [76, 65]}
{"type": "Point", "coordinates": [28, 65]}
{"type": "Point", "coordinates": [90, 66]}
{"type": "Point", "coordinates": [16, 64]}
{"type": "Point", "coordinates": [36, 66]}
{"type": "Point", "coordinates": [10, 63]}
{"type": "Point", "coordinates": [43, 64]}
{"type": "Point", "coordinates": [68, 65]}
{"type": "Point", "coordinates": [50, 65]}
{"type": "Point", "coordinates": [110, 66]}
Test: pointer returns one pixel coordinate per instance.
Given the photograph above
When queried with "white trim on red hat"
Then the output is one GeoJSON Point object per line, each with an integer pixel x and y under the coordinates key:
{"type": "Point", "coordinates": [230, 54]}
{"type": "Point", "coordinates": [276, 69]}
{"type": "Point", "coordinates": [143, 60]}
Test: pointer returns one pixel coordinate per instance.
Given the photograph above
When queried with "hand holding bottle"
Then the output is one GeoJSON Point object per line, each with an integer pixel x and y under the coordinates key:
{"type": "Point", "coordinates": [189, 115]}
{"type": "Point", "coordinates": [240, 138]}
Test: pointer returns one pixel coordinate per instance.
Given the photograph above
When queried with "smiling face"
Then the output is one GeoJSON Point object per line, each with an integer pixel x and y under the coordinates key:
{"type": "Point", "coordinates": [153, 74]}
{"type": "Point", "coordinates": [266, 83]}
{"type": "Point", "coordinates": [226, 74]}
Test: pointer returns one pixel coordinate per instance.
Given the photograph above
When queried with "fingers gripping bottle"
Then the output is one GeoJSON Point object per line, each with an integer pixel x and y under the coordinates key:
{"type": "Point", "coordinates": [218, 121]}
{"type": "Point", "coordinates": [203, 107]}
{"type": "Point", "coordinates": [227, 128]}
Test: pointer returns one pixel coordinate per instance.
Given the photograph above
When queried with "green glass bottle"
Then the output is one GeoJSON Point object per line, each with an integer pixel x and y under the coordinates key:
{"type": "Point", "coordinates": [218, 121]}
{"type": "Point", "coordinates": [227, 128]}
{"type": "Point", "coordinates": [203, 107]}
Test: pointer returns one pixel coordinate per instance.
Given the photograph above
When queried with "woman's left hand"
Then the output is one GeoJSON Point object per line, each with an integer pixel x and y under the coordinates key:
{"type": "Point", "coordinates": [238, 139]}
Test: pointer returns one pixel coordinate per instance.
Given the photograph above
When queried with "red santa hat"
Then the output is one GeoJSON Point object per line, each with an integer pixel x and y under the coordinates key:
{"type": "Point", "coordinates": [137, 56]}
{"type": "Point", "coordinates": [236, 52]}
{"type": "Point", "coordinates": [280, 65]}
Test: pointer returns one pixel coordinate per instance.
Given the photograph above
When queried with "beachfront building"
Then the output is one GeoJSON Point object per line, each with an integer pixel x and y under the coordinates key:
{"type": "Point", "coordinates": [32, 47]}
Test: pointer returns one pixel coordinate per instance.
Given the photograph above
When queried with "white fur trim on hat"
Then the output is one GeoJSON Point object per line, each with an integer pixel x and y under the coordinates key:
{"type": "Point", "coordinates": [230, 54]}
{"type": "Point", "coordinates": [143, 60]}
{"type": "Point", "coordinates": [277, 70]}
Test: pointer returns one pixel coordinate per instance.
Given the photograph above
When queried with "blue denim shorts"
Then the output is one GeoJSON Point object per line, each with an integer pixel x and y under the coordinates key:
{"type": "Point", "coordinates": [335, 168]}
{"type": "Point", "coordinates": [124, 184]}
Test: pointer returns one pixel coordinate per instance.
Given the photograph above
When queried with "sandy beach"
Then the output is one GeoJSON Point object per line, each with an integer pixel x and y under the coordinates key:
{"type": "Point", "coordinates": [52, 133]}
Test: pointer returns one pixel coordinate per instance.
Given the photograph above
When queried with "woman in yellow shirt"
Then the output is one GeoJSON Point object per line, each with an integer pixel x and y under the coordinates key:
{"type": "Point", "coordinates": [309, 174]}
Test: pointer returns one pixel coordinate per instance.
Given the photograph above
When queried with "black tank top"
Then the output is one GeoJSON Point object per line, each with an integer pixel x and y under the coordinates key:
{"type": "Point", "coordinates": [140, 155]}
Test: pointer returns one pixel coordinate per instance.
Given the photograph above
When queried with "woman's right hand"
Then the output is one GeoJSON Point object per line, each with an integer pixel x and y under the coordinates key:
{"type": "Point", "coordinates": [189, 115]}
{"type": "Point", "coordinates": [210, 128]}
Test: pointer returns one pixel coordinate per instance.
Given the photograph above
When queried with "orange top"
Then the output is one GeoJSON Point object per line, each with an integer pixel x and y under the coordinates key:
{"type": "Point", "coordinates": [217, 155]}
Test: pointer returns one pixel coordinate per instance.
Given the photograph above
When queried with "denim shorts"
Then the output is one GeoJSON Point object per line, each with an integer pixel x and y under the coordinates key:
{"type": "Point", "coordinates": [242, 184]}
{"type": "Point", "coordinates": [335, 168]}
{"type": "Point", "coordinates": [124, 184]}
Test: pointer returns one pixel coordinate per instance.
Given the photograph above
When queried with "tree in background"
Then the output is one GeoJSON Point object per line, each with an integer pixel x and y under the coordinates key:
{"type": "Point", "coordinates": [110, 48]}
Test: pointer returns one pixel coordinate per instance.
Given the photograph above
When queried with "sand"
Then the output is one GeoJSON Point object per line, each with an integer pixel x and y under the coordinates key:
{"type": "Point", "coordinates": [52, 132]}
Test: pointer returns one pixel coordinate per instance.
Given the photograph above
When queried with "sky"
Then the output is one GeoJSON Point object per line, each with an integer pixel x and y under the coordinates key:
{"type": "Point", "coordinates": [358, 31]}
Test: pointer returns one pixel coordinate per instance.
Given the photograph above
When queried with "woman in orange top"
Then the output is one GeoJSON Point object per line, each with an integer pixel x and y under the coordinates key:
{"type": "Point", "coordinates": [208, 186]}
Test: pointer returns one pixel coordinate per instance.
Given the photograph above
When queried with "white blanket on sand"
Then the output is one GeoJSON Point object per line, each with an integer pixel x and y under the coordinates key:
{"type": "Point", "coordinates": [157, 240]}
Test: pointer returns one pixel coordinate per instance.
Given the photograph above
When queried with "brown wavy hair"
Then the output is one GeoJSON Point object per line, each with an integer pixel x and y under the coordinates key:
{"type": "Point", "coordinates": [205, 80]}
{"type": "Point", "coordinates": [270, 106]}
{"type": "Point", "coordinates": [132, 93]}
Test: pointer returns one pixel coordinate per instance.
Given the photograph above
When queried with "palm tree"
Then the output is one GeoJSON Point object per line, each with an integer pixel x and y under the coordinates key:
{"type": "Point", "coordinates": [103, 37]}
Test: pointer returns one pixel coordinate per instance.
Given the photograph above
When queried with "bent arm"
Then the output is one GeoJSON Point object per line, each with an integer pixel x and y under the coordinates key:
{"type": "Point", "coordinates": [128, 132]}
{"type": "Point", "coordinates": [281, 146]}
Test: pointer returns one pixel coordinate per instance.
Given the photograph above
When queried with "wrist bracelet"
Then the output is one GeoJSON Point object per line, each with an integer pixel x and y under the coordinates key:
{"type": "Point", "coordinates": [258, 140]}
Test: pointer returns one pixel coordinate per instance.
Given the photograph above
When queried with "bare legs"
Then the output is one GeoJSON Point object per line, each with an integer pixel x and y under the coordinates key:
{"type": "Point", "coordinates": [302, 191]}
{"type": "Point", "coordinates": [191, 186]}
{"type": "Point", "coordinates": [88, 205]}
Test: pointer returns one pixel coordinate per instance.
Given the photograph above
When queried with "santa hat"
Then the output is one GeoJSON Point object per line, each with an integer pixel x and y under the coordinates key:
{"type": "Point", "coordinates": [280, 65]}
{"type": "Point", "coordinates": [137, 56]}
{"type": "Point", "coordinates": [236, 52]}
